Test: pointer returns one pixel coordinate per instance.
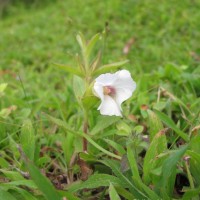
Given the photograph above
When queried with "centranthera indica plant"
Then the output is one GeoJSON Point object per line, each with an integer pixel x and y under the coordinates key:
{"type": "Point", "coordinates": [97, 82]}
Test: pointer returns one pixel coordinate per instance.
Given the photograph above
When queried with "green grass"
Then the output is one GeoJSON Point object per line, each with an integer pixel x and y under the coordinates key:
{"type": "Point", "coordinates": [165, 63]}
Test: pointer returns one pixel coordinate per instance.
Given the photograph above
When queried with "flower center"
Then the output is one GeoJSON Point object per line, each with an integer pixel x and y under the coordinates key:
{"type": "Point", "coordinates": [109, 90]}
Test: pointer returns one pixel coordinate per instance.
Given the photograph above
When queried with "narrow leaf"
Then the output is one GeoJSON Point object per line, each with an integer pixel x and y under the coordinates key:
{"type": "Point", "coordinates": [44, 185]}
{"type": "Point", "coordinates": [81, 40]}
{"type": "Point", "coordinates": [116, 170]}
{"type": "Point", "coordinates": [157, 146]}
{"type": "Point", "coordinates": [116, 146]}
{"type": "Point", "coordinates": [194, 165]}
{"type": "Point", "coordinates": [104, 122]}
{"type": "Point", "coordinates": [95, 181]}
{"type": "Point", "coordinates": [133, 163]}
{"type": "Point", "coordinates": [113, 193]}
{"type": "Point", "coordinates": [172, 125]}
{"type": "Point", "coordinates": [166, 183]}
{"type": "Point", "coordinates": [192, 194]}
{"type": "Point", "coordinates": [124, 193]}
{"type": "Point", "coordinates": [155, 124]}
{"type": "Point", "coordinates": [70, 69]}
{"type": "Point", "coordinates": [27, 183]}
{"type": "Point", "coordinates": [27, 139]}
{"type": "Point", "coordinates": [150, 193]}
{"type": "Point", "coordinates": [91, 44]}
{"type": "Point", "coordinates": [6, 195]}
{"type": "Point", "coordinates": [109, 67]}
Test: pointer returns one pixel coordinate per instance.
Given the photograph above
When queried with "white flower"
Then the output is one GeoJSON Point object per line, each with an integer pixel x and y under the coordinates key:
{"type": "Point", "coordinates": [113, 89]}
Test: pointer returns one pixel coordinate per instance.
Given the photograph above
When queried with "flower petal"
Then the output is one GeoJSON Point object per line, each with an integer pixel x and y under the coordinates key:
{"type": "Point", "coordinates": [124, 86]}
{"type": "Point", "coordinates": [124, 80]}
{"type": "Point", "coordinates": [106, 79]}
{"type": "Point", "coordinates": [109, 107]}
{"type": "Point", "coordinates": [98, 90]}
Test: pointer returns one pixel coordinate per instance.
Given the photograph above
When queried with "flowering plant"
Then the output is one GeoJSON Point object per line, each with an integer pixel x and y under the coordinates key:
{"type": "Point", "coordinates": [92, 80]}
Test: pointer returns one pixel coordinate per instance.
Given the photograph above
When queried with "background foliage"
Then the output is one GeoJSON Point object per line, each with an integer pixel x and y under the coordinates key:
{"type": "Point", "coordinates": [157, 142]}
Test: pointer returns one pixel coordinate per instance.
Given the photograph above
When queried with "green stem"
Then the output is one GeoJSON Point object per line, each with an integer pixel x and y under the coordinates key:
{"type": "Point", "coordinates": [85, 130]}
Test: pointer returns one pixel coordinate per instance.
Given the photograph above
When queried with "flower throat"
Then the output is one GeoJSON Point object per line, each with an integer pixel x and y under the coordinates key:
{"type": "Point", "coordinates": [109, 90]}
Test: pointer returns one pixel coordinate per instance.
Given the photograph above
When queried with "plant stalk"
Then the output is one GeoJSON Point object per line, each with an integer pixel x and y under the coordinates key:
{"type": "Point", "coordinates": [85, 130]}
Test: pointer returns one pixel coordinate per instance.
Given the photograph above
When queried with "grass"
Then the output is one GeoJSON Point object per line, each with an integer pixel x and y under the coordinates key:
{"type": "Point", "coordinates": [160, 130]}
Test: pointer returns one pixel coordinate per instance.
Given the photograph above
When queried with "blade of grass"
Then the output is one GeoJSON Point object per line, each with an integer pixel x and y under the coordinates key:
{"type": "Point", "coordinates": [44, 185]}
{"type": "Point", "coordinates": [166, 120]}
{"type": "Point", "coordinates": [113, 193]}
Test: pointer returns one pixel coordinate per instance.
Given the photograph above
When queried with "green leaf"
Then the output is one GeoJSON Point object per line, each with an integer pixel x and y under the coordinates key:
{"type": "Point", "coordinates": [194, 143]}
{"type": "Point", "coordinates": [70, 69]}
{"type": "Point", "coordinates": [6, 195]}
{"type": "Point", "coordinates": [136, 176]}
{"type": "Point", "coordinates": [116, 146]}
{"type": "Point", "coordinates": [124, 180]}
{"type": "Point", "coordinates": [138, 129]}
{"type": "Point", "coordinates": [79, 87]}
{"type": "Point", "coordinates": [96, 62]}
{"type": "Point", "coordinates": [89, 101]}
{"type": "Point", "coordinates": [22, 192]}
{"type": "Point", "coordinates": [109, 67]}
{"type": "Point", "coordinates": [3, 87]}
{"type": "Point", "coordinates": [157, 146]}
{"type": "Point", "coordinates": [25, 194]}
{"type": "Point", "coordinates": [113, 193]}
{"type": "Point", "coordinates": [91, 44]}
{"type": "Point", "coordinates": [3, 163]}
{"type": "Point", "coordinates": [68, 146]}
{"type": "Point", "coordinates": [167, 180]}
{"type": "Point", "coordinates": [192, 194]}
{"type": "Point", "coordinates": [150, 193]}
{"type": "Point", "coordinates": [95, 181]}
{"type": "Point", "coordinates": [12, 175]}
{"type": "Point", "coordinates": [81, 41]}
{"type": "Point", "coordinates": [159, 105]}
{"type": "Point", "coordinates": [194, 165]}
{"type": "Point", "coordinates": [155, 124]}
{"type": "Point", "coordinates": [172, 125]}
{"type": "Point", "coordinates": [104, 122]}
{"type": "Point", "coordinates": [27, 139]}
{"type": "Point", "coordinates": [27, 183]}
{"type": "Point", "coordinates": [123, 129]}
{"type": "Point", "coordinates": [125, 193]}
{"type": "Point", "coordinates": [44, 185]}
{"type": "Point", "coordinates": [132, 163]}
{"type": "Point", "coordinates": [99, 147]}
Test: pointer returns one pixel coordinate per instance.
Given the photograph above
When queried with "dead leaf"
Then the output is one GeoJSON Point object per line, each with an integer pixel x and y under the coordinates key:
{"type": "Point", "coordinates": [9, 72]}
{"type": "Point", "coordinates": [133, 118]}
{"type": "Point", "coordinates": [195, 55]}
{"type": "Point", "coordinates": [144, 107]}
{"type": "Point", "coordinates": [124, 164]}
{"type": "Point", "coordinates": [86, 170]}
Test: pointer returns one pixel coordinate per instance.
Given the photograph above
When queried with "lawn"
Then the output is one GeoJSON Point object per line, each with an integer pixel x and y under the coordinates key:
{"type": "Point", "coordinates": [47, 105]}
